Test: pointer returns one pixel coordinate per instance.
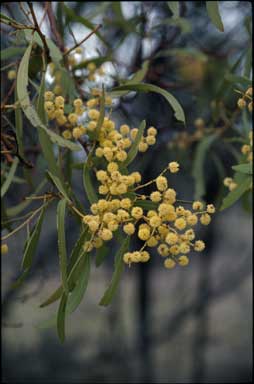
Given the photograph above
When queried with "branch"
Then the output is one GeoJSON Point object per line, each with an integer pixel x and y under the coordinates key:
{"type": "Point", "coordinates": [37, 28]}
{"type": "Point", "coordinates": [52, 21]}
{"type": "Point", "coordinates": [82, 41]}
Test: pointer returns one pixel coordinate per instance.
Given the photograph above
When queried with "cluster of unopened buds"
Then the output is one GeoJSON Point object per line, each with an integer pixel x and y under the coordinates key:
{"type": "Point", "coordinates": [246, 100]}
{"type": "Point", "coordinates": [247, 151]}
{"type": "Point", "coordinates": [168, 226]}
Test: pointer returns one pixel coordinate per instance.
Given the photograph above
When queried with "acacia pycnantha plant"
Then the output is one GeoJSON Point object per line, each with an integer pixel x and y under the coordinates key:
{"type": "Point", "coordinates": [68, 119]}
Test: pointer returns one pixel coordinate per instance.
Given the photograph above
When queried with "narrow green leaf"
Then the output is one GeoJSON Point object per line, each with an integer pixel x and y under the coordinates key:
{"type": "Point", "coordinates": [7, 18]}
{"type": "Point", "coordinates": [214, 14]}
{"type": "Point", "coordinates": [81, 285]}
{"type": "Point", "coordinates": [119, 267]}
{"type": "Point", "coordinates": [46, 144]}
{"type": "Point", "coordinates": [17, 209]}
{"type": "Point", "coordinates": [101, 255]}
{"type": "Point", "coordinates": [102, 114]}
{"type": "Point", "coordinates": [77, 293]}
{"type": "Point", "coordinates": [198, 169]}
{"type": "Point", "coordinates": [174, 8]}
{"type": "Point", "coordinates": [19, 127]}
{"type": "Point", "coordinates": [244, 168]}
{"type": "Point", "coordinates": [61, 317]}
{"type": "Point", "coordinates": [10, 52]}
{"type": "Point", "coordinates": [61, 242]}
{"type": "Point", "coordinates": [28, 109]}
{"type": "Point", "coordinates": [134, 148]}
{"type": "Point", "coordinates": [10, 177]}
{"type": "Point", "coordinates": [146, 204]}
{"type": "Point", "coordinates": [77, 249]}
{"type": "Point", "coordinates": [88, 184]}
{"type": "Point", "coordinates": [20, 280]}
{"type": "Point", "coordinates": [32, 242]}
{"type": "Point", "coordinates": [138, 76]}
{"type": "Point", "coordinates": [179, 113]}
{"type": "Point", "coordinates": [61, 188]}
{"type": "Point", "coordinates": [54, 51]}
{"type": "Point", "coordinates": [234, 195]}
{"type": "Point", "coordinates": [238, 79]}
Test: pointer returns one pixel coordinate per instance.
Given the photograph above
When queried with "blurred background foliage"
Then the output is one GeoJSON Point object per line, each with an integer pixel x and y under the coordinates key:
{"type": "Point", "coordinates": [185, 325]}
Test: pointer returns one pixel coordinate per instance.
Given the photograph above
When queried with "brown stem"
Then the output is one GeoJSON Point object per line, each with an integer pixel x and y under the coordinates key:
{"type": "Point", "coordinates": [82, 41]}
{"type": "Point", "coordinates": [42, 36]}
{"type": "Point", "coordinates": [52, 21]}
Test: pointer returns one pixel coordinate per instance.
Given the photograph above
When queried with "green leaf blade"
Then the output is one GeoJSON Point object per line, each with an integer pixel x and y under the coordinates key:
{"type": "Point", "coordinates": [10, 177]}
{"type": "Point", "coordinates": [214, 14]}
{"type": "Point", "coordinates": [235, 195]}
{"type": "Point", "coordinates": [119, 267]}
{"type": "Point", "coordinates": [62, 243]}
{"type": "Point", "coordinates": [88, 184]}
{"type": "Point", "coordinates": [174, 7]}
{"type": "Point", "coordinates": [61, 317]}
{"type": "Point", "coordinates": [178, 111]}
{"type": "Point", "coordinates": [244, 168]}
{"type": "Point", "coordinates": [32, 242]}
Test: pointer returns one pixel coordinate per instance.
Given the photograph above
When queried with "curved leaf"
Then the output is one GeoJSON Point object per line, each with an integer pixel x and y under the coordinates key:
{"type": "Point", "coordinates": [244, 168]}
{"type": "Point", "coordinates": [73, 260]}
{"type": "Point", "coordinates": [58, 183]}
{"type": "Point", "coordinates": [214, 14]}
{"type": "Point", "coordinates": [61, 242]}
{"type": "Point", "coordinates": [81, 285]}
{"type": "Point", "coordinates": [61, 317]}
{"type": "Point", "coordinates": [10, 177]}
{"type": "Point", "coordinates": [179, 113]}
{"type": "Point", "coordinates": [119, 267]}
{"type": "Point", "coordinates": [102, 113]}
{"type": "Point", "coordinates": [28, 109]}
{"type": "Point", "coordinates": [46, 144]}
{"type": "Point", "coordinates": [88, 184]}
{"type": "Point", "coordinates": [101, 254]}
{"type": "Point", "coordinates": [234, 195]}
{"type": "Point", "coordinates": [32, 242]}
{"type": "Point", "coordinates": [9, 52]}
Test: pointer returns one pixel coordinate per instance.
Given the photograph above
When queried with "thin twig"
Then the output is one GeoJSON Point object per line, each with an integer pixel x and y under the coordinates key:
{"type": "Point", "coordinates": [24, 223]}
{"type": "Point", "coordinates": [53, 26]}
{"type": "Point", "coordinates": [82, 41]}
{"type": "Point", "coordinates": [42, 36]}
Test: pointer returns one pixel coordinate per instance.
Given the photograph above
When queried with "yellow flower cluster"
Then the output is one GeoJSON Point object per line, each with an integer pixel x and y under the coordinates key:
{"type": "Point", "coordinates": [4, 249]}
{"type": "Point", "coordinates": [247, 149]}
{"type": "Point", "coordinates": [230, 183]}
{"type": "Point", "coordinates": [54, 107]}
{"type": "Point", "coordinates": [12, 74]}
{"type": "Point", "coordinates": [93, 70]}
{"type": "Point", "coordinates": [246, 100]}
{"type": "Point", "coordinates": [168, 227]}
{"type": "Point", "coordinates": [112, 143]}
{"type": "Point", "coordinates": [57, 75]}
